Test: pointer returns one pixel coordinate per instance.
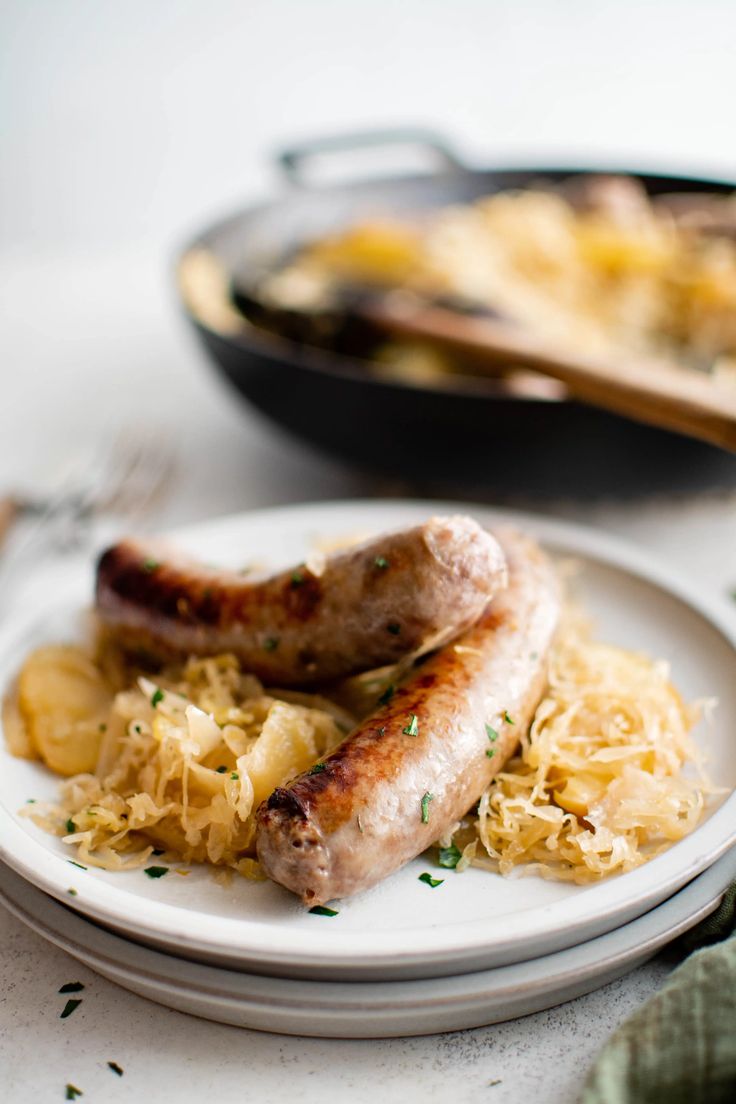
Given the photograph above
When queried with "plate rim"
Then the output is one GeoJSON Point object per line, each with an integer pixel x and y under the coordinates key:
{"type": "Point", "coordinates": [341, 954]}
{"type": "Point", "coordinates": [273, 1001]}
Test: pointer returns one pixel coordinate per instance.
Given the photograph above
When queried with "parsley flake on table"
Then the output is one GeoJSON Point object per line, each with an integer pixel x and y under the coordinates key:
{"type": "Point", "coordinates": [430, 881]}
{"type": "Point", "coordinates": [412, 729]}
{"type": "Point", "coordinates": [322, 910]}
{"type": "Point", "coordinates": [72, 1092]}
{"type": "Point", "coordinates": [425, 807]}
{"type": "Point", "coordinates": [69, 1007]}
{"type": "Point", "coordinates": [449, 857]}
{"type": "Point", "coordinates": [156, 871]}
{"type": "Point", "coordinates": [157, 696]}
{"type": "Point", "coordinates": [116, 1068]}
{"type": "Point", "coordinates": [72, 987]}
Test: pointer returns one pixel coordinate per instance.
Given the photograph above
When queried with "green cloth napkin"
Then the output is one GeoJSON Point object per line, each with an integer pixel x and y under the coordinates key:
{"type": "Point", "coordinates": [679, 1047]}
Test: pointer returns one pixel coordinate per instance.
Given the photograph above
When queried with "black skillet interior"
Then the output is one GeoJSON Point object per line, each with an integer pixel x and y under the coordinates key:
{"type": "Point", "coordinates": [468, 436]}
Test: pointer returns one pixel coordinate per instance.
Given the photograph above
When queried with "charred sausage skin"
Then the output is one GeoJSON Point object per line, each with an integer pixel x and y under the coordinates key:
{"type": "Point", "coordinates": [372, 604]}
{"type": "Point", "coordinates": [421, 760]}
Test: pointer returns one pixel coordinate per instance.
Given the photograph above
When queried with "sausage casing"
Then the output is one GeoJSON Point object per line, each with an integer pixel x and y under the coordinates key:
{"type": "Point", "coordinates": [372, 604]}
{"type": "Point", "coordinates": [421, 760]}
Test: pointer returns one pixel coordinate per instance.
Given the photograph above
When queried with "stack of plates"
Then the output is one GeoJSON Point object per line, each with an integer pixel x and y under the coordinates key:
{"type": "Point", "coordinates": [404, 958]}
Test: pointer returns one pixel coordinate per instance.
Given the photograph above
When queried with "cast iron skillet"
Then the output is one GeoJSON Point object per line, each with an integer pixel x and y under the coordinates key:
{"type": "Point", "coordinates": [465, 434]}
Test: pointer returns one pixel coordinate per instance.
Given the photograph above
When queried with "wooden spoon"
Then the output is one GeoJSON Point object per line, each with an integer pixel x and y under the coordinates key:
{"type": "Point", "coordinates": [654, 391]}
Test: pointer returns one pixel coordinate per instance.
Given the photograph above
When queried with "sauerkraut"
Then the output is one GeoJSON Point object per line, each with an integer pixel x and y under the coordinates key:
{"type": "Point", "coordinates": [607, 777]}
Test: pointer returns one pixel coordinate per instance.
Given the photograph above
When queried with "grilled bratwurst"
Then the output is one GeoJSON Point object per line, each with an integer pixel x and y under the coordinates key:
{"type": "Point", "coordinates": [420, 761]}
{"type": "Point", "coordinates": [372, 604]}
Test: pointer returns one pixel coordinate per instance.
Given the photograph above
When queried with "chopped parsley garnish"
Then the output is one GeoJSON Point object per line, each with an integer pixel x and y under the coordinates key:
{"type": "Point", "coordinates": [115, 1068]}
{"type": "Point", "coordinates": [394, 628]}
{"type": "Point", "coordinates": [387, 695]}
{"type": "Point", "coordinates": [221, 770]}
{"type": "Point", "coordinates": [157, 696]}
{"type": "Point", "coordinates": [69, 1008]}
{"type": "Point", "coordinates": [317, 768]}
{"type": "Point", "coordinates": [412, 729]}
{"type": "Point", "coordinates": [234, 776]}
{"type": "Point", "coordinates": [70, 826]}
{"type": "Point", "coordinates": [507, 718]}
{"type": "Point", "coordinates": [297, 578]}
{"type": "Point", "coordinates": [381, 563]}
{"type": "Point", "coordinates": [72, 987]}
{"type": "Point", "coordinates": [150, 565]}
{"type": "Point", "coordinates": [72, 892]}
{"type": "Point", "coordinates": [490, 753]}
{"type": "Point", "coordinates": [430, 881]}
{"type": "Point", "coordinates": [156, 871]}
{"type": "Point", "coordinates": [76, 864]}
{"type": "Point", "coordinates": [72, 1092]}
{"type": "Point", "coordinates": [449, 857]}
{"type": "Point", "coordinates": [270, 644]}
{"type": "Point", "coordinates": [322, 910]}
{"type": "Point", "coordinates": [425, 807]}
{"type": "Point", "coordinates": [30, 801]}
{"type": "Point", "coordinates": [491, 733]}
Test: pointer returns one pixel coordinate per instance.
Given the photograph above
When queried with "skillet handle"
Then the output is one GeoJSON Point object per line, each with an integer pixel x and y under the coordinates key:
{"type": "Point", "coordinates": [292, 160]}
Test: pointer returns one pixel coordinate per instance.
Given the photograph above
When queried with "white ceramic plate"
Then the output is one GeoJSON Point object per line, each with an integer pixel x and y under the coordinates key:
{"type": "Point", "coordinates": [402, 928]}
{"type": "Point", "coordinates": [367, 1010]}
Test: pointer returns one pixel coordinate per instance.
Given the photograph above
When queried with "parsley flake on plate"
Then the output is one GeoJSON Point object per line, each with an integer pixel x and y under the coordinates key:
{"type": "Point", "coordinates": [322, 910]}
{"type": "Point", "coordinates": [430, 881]}
{"type": "Point", "coordinates": [72, 1092]}
{"type": "Point", "coordinates": [156, 871]}
{"type": "Point", "coordinates": [76, 864]}
{"type": "Point", "coordinates": [449, 857]}
{"type": "Point", "coordinates": [116, 1068]}
{"type": "Point", "coordinates": [72, 987]}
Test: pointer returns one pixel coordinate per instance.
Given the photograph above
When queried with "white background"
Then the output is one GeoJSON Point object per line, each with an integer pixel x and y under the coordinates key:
{"type": "Point", "coordinates": [125, 126]}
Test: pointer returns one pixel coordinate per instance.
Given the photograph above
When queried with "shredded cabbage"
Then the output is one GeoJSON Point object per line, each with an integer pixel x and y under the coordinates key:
{"type": "Point", "coordinates": [600, 784]}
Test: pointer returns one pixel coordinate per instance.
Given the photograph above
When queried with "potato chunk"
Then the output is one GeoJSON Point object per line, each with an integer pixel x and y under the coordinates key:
{"type": "Point", "coordinates": [64, 703]}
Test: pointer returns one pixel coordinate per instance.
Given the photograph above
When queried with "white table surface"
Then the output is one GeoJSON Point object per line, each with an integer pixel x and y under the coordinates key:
{"type": "Point", "coordinates": [116, 144]}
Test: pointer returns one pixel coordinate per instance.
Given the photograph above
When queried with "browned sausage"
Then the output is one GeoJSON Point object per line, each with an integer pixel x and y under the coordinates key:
{"type": "Point", "coordinates": [372, 604]}
{"type": "Point", "coordinates": [419, 762]}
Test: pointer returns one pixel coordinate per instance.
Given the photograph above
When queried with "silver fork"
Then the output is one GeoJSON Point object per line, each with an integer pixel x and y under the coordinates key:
{"type": "Point", "coordinates": [125, 476]}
